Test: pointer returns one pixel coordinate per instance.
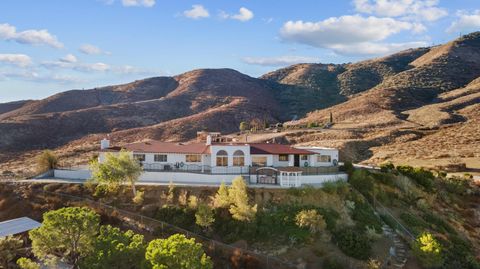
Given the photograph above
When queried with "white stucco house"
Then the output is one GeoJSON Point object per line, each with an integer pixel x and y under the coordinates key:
{"type": "Point", "coordinates": [258, 163]}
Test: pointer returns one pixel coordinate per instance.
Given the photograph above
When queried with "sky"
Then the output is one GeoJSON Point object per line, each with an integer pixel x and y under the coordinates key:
{"type": "Point", "coordinates": [51, 46]}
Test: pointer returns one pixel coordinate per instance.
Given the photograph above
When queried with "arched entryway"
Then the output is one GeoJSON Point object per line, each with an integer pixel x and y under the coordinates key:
{"type": "Point", "coordinates": [238, 158]}
{"type": "Point", "coordinates": [221, 158]}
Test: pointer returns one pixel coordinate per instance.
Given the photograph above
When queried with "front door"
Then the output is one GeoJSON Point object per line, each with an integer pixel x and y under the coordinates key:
{"type": "Point", "coordinates": [296, 160]}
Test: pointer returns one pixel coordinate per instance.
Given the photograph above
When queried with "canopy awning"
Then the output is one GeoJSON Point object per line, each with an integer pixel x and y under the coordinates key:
{"type": "Point", "coordinates": [17, 226]}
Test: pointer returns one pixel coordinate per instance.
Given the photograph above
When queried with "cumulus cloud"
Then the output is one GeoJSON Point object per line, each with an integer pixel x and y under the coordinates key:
{"type": "Point", "coordinates": [244, 14]}
{"type": "Point", "coordinates": [29, 75]}
{"type": "Point", "coordinates": [279, 61]}
{"type": "Point", "coordinates": [465, 22]}
{"type": "Point", "coordinates": [69, 58]}
{"type": "Point", "coordinates": [21, 60]}
{"type": "Point", "coordinates": [371, 48]}
{"type": "Point", "coordinates": [32, 37]}
{"type": "Point", "coordinates": [138, 3]}
{"type": "Point", "coordinates": [346, 33]}
{"type": "Point", "coordinates": [197, 12]}
{"type": "Point", "coordinates": [422, 10]}
{"type": "Point", "coordinates": [91, 50]}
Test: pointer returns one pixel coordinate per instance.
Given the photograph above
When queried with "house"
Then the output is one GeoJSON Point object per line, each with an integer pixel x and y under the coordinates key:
{"type": "Point", "coordinates": [263, 163]}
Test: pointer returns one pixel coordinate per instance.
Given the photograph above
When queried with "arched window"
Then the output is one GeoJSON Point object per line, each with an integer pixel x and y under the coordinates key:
{"type": "Point", "coordinates": [222, 158]}
{"type": "Point", "coordinates": [238, 158]}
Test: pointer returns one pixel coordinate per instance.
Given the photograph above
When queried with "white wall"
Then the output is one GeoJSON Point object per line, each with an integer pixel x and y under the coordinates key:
{"type": "Point", "coordinates": [333, 153]}
{"type": "Point", "coordinates": [320, 179]}
{"type": "Point", "coordinates": [72, 174]}
{"type": "Point", "coordinates": [230, 149]}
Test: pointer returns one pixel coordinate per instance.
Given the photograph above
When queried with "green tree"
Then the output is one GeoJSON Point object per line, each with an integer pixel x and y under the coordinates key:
{"type": "Point", "coordinates": [67, 233]}
{"type": "Point", "coordinates": [222, 200]}
{"type": "Point", "coordinates": [25, 263]}
{"type": "Point", "coordinates": [116, 249]}
{"type": "Point", "coordinates": [243, 126]}
{"type": "Point", "coordinates": [9, 249]}
{"type": "Point", "coordinates": [311, 220]}
{"type": "Point", "coordinates": [428, 250]}
{"type": "Point", "coordinates": [238, 196]}
{"type": "Point", "coordinates": [117, 169]}
{"type": "Point", "coordinates": [204, 217]}
{"type": "Point", "coordinates": [177, 252]}
{"type": "Point", "coordinates": [47, 160]}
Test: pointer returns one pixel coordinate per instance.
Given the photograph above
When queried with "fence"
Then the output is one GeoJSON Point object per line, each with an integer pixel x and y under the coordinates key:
{"type": "Point", "coordinates": [193, 168]}
{"type": "Point", "coordinates": [235, 257]}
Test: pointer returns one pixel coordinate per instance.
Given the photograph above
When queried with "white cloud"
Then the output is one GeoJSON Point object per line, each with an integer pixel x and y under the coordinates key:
{"type": "Point", "coordinates": [422, 10]}
{"type": "Point", "coordinates": [344, 34]}
{"type": "Point", "coordinates": [92, 50]}
{"type": "Point", "coordinates": [33, 37]}
{"type": "Point", "coordinates": [279, 61]}
{"type": "Point", "coordinates": [95, 67]}
{"type": "Point", "coordinates": [138, 3]}
{"type": "Point", "coordinates": [371, 48]}
{"type": "Point", "coordinates": [29, 75]}
{"type": "Point", "coordinates": [69, 58]}
{"type": "Point", "coordinates": [244, 14]}
{"type": "Point", "coordinates": [21, 60]}
{"type": "Point", "coordinates": [197, 12]}
{"type": "Point", "coordinates": [465, 22]}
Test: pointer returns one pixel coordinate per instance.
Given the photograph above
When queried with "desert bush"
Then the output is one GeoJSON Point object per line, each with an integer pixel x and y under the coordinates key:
{"type": "Point", "coordinates": [331, 263]}
{"type": "Point", "coordinates": [387, 167]}
{"type": "Point", "coordinates": [421, 176]}
{"type": "Point", "coordinates": [414, 223]}
{"type": "Point", "coordinates": [438, 223]}
{"type": "Point", "coordinates": [460, 254]}
{"type": "Point", "coordinates": [347, 167]}
{"type": "Point", "coordinates": [374, 264]}
{"type": "Point", "coordinates": [139, 198]}
{"type": "Point", "coordinates": [364, 216]}
{"type": "Point", "coordinates": [10, 247]}
{"type": "Point", "coordinates": [428, 251]}
{"type": "Point", "coordinates": [389, 221]}
{"type": "Point", "coordinates": [310, 219]}
{"type": "Point", "coordinates": [339, 187]}
{"type": "Point", "coordinates": [182, 217]}
{"type": "Point", "coordinates": [455, 185]}
{"type": "Point", "coordinates": [353, 243]}
{"type": "Point", "coordinates": [363, 182]}
{"type": "Point", "coordinates": [204, 217]}
{"type": "Point", "coordinates": [47, 160]}
{"type": "Point", "coordinates": [193, 202]}
{"type": "Point", "coordinates": [25, 263]}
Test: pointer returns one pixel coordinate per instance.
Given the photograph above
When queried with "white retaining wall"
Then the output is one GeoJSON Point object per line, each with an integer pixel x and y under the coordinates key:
{"type": "Point", "coordinates": [180, 177]}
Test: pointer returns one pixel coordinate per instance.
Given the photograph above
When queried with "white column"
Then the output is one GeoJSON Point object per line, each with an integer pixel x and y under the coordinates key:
{"type": "Point", "coordinates": [291, 160]}
{"type": "Point", "coordinates": [203, 162]}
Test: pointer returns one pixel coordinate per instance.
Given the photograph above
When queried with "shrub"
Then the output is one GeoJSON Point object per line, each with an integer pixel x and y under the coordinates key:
{"type": "Point", "coordinates": [347, 167]}
{"type": "Point", "coordinates": [47, 160]}
{"type": "Point", "coordinates": [365, 217]}
{"type": "Point", "coordinates": [240, 208]}
{"type": "Point", "coordinates": [221, 199]}
{"type": "Point", "coordinates": [455, 185]}
{"type": "Point", "coordinates": [413, 222]}
{"type": "Point", "coordinates": [204, 216]}
{"type": "Point", "coordinates": [387, 167]}
{"type": "Point", "coordinates": [428, 251]}
{"type": "Point", "coordinates": [183, 217]}
{"type": "Point", "coordinates": [139, 198]}
{"type": "Point", "coordinates": [374, 264]}
{"type": "Point", "coordinates": [310, 219]}
{"type": "Point", "coordinates": [332, 264]}
{"type": "Point", "coordinates": [421, 176]}
{"type": "Point", "coordinates": [339, 187]}
{"type": "Point", "coordinates": [389, 221]}
{"type": "Point", "coordinates": [438, 223]}
{"type": "Point", "coordinates": [177, 252]}
{"type": "Point", "coordinates": [9, 249]}
{"type": "Point", "coordinates": [363, 182]}
{"type": "Point", "coordinates": [353, 243]}
{"type": "Point", "coordinates": [460, 254]}
{"type": "Point", "coordinates": [25, 263]}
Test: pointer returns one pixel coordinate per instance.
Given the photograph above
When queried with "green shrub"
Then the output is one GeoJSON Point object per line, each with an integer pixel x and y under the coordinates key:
{"type": "Point", "coordinates": [455, 185]}
{"type": "Point", "coordinates": [46, 161]}
{"type": "Point", "coordinates": [414, 223]}
{"type": "Point", "coordinates": [389, 221]}
{"type": "Point", "coordinates": [365, 217]}
{"type": "Point", "coordinates": [428, 251]}
{"type": "Point", "coordinates": [339, 187]}
{"type": "Point", "coordinates": [310, 219]}
{"type": "Point", "coordinates": [460, 254]}
{"type": "Point", "coordinates": [182, 217]}
{"type": "Point", "coordinates": [363, 182]}
{"type": "Point", "coordinates": [387, 167]}
{"type": "Point", "coordinates": [353, 243]}
{"type": "Point", "coordinates": [421, 176]}
{"type": "Point", "coordinates": [347, 167]}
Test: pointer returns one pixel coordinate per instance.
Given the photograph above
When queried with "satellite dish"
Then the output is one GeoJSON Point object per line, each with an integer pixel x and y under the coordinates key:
{"type": "Point", "coordinates": [335, 162]}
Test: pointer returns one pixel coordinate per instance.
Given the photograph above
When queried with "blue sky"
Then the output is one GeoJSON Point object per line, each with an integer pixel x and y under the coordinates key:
{"type": "Point", "coordinates": [50, 46]}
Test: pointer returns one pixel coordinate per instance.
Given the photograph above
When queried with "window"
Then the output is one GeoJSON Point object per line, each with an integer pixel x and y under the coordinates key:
{"type": "Point", "coordinates": [283, 158]}
{"type": "Point", "coordinates": [259, 161]}
{"type": "Point", "coordinates": [139, 157]}
{"type": "Point", "coordinates": [324, 158]}
{"type": "Point", "coordinates": [222, 158]}
{"type": "Point", "coordinates": [160, 158]}
{"type": "Point", "coordinates": [238, 158]}
{"type": "Point", "coordinates": [304, 157]}
{"type": "Point", "coordinates": [193, 158]}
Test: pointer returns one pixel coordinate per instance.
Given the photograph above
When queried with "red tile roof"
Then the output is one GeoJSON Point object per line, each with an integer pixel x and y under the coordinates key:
{"type": "Point", "coordinates": [265, 148]}
{"type": "Point", "coordinates": [164, 147]}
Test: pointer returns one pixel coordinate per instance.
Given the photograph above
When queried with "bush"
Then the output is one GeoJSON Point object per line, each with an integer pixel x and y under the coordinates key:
{"type": "Point", "coordinates": [46, 161]}
{"type": "Point", "coordinates": [421, 176]}
{"type": "Point", "coordinates": [25, 263]}
{"type": "Point", "coordinates": [389, 221]}
{"type": "Point", "coordinates": [387, 167]}
{"type": "Point", "coordinates": [438, 223]}
{"type": "Point", "coordinates": [310, 219]}
{"type": "Point", "coordinates": [365, 217]}
{"type": "Point", "coordinates": [332, 264]}
{"type": "Point", "coordinates": [416, 224]}
{"type": "Point", "coordinates": [363, 182]}
{"type": "Point", "coordinates": [139, 198]}
{"type": "Point", "coordinates": [460, 254]}
{"type": "Point", "coordinates": [347, 167]}
{"type": "Point", "coordinates": [339, 187]}
{"type": "Point", "coordinates": [428, 251]}
{"type": "Point", "coordinates": [182, 217]}
{"type": "Point", "coordinates": [353, 243]}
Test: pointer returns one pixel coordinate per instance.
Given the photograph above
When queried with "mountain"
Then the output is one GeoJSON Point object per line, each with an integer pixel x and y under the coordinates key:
{"type": "Point", "coordinates": [425, 112]}
{"type": "Point", "coordinates": [416, 105]}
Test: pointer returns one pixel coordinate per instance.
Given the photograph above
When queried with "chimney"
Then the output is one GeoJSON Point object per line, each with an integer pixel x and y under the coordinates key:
{"type": "Point", "coordinates": [104, 144]}
{"type": "Point", "coordinates": [209, 140]}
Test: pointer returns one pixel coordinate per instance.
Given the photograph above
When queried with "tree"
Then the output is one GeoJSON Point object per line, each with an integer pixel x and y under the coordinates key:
{"type": "Point", "coordinates": [9, 249]}
{"type": "Point", "coordinates": [204, 216]}
{"type": "Point", "coordinates": [25, 263]}
{"type": "Point", "coordinates": [310, 219]}
{"type": "Point", "coordinates": [238, 197]}
{"type": "Point", "coordinates": [116, 170]}
{"type": "Point", "coordinates": [67, 233]}
{"type": "Point", "coordinates": [256, 124]}
{"type": "Point", "coordinates": [222, 200]}
{"type": "Point", "coordinates": [428, 250]}
{"type": "Point", "coordinates": [116, 249]}
{"type": "Point", "coordinates": [243, 126]}
{"type": "Point", "coordinates": [47, 161]}
{"type": "Point", "coordinates": [331, 117]}
{"type": "Point", "coordinates": [177, 252]}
